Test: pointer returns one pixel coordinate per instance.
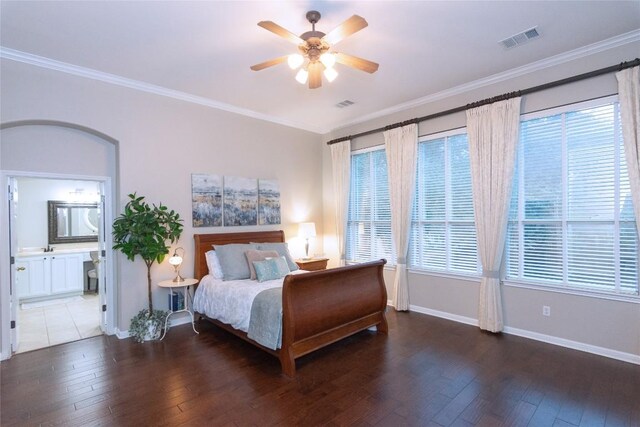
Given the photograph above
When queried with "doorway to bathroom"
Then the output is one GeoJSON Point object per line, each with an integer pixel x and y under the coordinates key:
{"type": "Point", "coordinates": [57, 228]}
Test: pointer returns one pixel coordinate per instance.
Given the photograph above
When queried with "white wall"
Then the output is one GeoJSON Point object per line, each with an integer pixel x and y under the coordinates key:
{"type": "Point", "coordinates": [596, 324]}
{"type": "Point", "coordinates": [34, 193]}
{"type": "Point", "coordinates": [160, 142]}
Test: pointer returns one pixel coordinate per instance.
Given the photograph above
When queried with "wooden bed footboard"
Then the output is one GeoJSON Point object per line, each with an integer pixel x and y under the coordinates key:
{"type": "Point", "coordinates": [322, 307]}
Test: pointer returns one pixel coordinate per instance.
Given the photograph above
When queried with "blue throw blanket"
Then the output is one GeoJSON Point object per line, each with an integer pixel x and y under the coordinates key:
{"type": "Point", "coordinates": [265, 323]}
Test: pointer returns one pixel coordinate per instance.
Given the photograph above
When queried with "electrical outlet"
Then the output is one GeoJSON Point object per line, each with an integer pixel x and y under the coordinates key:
{"type": "Point", "coordinates": [546, 310]}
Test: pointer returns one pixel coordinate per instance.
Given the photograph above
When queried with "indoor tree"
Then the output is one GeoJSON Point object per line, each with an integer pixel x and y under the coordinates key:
{"type": "Point", "coordinates": [146, 231]}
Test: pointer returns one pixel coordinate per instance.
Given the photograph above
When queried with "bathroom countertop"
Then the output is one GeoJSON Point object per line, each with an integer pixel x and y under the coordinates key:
{"type": "Point", "coordinates": [61, 251]}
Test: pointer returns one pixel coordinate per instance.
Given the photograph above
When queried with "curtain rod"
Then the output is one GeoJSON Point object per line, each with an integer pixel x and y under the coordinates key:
{"type": "Point", "coordinates": [590, 74]}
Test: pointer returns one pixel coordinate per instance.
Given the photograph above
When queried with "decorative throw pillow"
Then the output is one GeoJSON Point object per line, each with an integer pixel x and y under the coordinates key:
{"type": "Point", "coordinates": [213, 263]}
{"type": "Point", "coordinates": [271, 269]}
{"type": "Point", "coordinates": [233, 261]}
{"type": "Point", "coordinates": [255, 255]}
{"type": "Point", "coordinates": [282, 249]}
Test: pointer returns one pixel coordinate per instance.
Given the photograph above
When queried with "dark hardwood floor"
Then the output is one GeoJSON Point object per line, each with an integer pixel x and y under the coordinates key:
{"type": "Point", "coordinates": [427, 372]}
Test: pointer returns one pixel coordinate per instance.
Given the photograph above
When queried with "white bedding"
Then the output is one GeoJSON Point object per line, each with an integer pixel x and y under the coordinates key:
{"type": "Point", "coordinates": [230, 301]}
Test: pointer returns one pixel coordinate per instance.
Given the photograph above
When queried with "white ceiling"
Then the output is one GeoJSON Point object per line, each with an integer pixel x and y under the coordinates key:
{"type": "Point", "coordinates": [204, 49]}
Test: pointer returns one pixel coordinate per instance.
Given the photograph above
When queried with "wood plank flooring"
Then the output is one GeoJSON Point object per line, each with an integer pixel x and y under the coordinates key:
{"type": "Point", "coordinates": [426, 372]}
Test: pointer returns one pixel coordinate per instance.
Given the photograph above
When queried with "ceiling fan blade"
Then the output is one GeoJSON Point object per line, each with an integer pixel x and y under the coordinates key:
{"type": "Point", "coordinates": [315, 75]}
{"type": "Point", "coordinates": [277, 29]}
{"type": "Point", "coordinates": [348, 27]}
{"type": "Point", "coordinates": [266, 64]}
{"type": "Point", "coordinates": [355, 62]}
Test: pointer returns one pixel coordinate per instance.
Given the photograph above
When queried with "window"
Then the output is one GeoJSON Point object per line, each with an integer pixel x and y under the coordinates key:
{"type": "Point", "coordinates": [571, 221]}
{"type": "Point", "coordinates": [443, 233]}
{"type": "Point", "coordinates": [369, 218]}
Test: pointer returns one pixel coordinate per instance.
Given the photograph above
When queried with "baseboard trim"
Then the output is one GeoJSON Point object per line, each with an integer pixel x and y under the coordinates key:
{"type": "Point", "coordinates": [174, 321]}
{"type": "Point", "coordinates": [444, 315]}
{"type": "Point", "coordinates": [122, 334]}
{"type": "Point", "coordinates": [575, 345]}
{"type": "Point", "coordinates": [549, 339]}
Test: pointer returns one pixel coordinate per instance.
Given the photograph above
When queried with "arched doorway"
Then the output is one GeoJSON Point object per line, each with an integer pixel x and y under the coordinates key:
{"type": "Point", "coordinates": [45, 149]}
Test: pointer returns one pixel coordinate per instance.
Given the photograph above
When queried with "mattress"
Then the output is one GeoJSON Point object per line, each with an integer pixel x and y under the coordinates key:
{"type": "Point", "coordinates": [230, 301]}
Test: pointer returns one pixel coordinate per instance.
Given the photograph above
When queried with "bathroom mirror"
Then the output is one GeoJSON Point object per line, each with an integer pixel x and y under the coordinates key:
{"type": "Point", "coordinates": [72, 222]}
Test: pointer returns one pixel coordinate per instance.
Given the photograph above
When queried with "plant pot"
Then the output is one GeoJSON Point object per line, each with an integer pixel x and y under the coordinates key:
{"type": "Point", "coordinates": [153, 330]}
{"type": "Point", "coordinates": [147, 328]}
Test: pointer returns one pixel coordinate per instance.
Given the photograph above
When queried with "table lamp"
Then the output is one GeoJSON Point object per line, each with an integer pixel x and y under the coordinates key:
{"type": "Point", "coordinates": [176, 261]}
{"type": "Point", "coordinates": [306, 230]}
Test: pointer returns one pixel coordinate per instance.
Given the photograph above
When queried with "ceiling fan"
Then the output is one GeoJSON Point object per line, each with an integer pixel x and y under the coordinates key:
{"type": "Point", "coordinates": [316, 55]}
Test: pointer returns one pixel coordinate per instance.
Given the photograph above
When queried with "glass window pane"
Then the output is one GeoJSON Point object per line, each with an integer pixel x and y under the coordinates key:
{"type": "Point", "coordinates": [432, 170]}
{"type": "Point", "coordinates": [462, 245]}
{"type": "Point", "coordinates": [434, 254]}
{"type": "Point", "coordinates": [543, 252]}
{"type": "Point", "coordinates": [590, 255]}
{"type": "Point", "coordinates": [590, 164]}
{"type": "Point", "coordinates": [460, 178]}
{"type": "Point", "coordinates": [542, 150]}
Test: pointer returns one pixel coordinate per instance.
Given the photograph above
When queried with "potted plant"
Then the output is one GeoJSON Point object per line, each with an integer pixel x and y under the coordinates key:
{"type": "Point", "coordinates": [146, 231]}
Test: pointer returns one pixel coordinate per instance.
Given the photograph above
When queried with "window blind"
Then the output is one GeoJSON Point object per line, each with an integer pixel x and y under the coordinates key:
{"type": "Point", "coordinates": [369, 217]}
{"type": "Point", "coordinates": [443, 234]}
{"type": "Point", "coordinates": [571, 222]}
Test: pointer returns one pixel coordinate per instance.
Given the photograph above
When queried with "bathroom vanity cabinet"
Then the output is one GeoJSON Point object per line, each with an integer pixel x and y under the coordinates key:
{"type": "Point", "coordinates": [48, 275]}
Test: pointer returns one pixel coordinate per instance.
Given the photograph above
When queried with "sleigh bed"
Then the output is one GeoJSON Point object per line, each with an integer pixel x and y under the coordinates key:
{"type": "Point", "coordinates": [318, 308]}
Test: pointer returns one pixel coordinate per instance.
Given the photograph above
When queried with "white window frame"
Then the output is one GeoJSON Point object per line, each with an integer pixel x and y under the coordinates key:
{"type": "Point", "coordinates": [447, 221]}
{"type": "Point", "coordinates": [565, 287]}
{"type": "Point", "coordinates": [391, 259]}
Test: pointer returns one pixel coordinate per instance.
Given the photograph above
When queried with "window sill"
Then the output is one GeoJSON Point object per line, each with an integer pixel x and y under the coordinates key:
{"type": "Point", "coordinates": [387, 267]}
{"type": "Point", "coordinates": [465, 277]}
{"type": "Point", "coordinates": [574, 291]}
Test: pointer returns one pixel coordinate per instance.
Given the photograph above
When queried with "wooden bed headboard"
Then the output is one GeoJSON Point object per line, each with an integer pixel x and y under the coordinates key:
{"type": "Point", "coordinates": [205, 242]}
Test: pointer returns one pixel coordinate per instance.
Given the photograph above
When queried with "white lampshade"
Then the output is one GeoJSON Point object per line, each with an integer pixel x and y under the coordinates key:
{"type": "Point", "coordinates": [302, 75]}
{"type": "Point", "coordinates": [328, 59]}
{"type": "Point", "coordinates": [295, 60]}
{"type": "Point", "coordinates": [306, 230]}
{"type": "Point", "coordinates": [330, 74]}
{"type": "Point", "coordinates": [175, 260]}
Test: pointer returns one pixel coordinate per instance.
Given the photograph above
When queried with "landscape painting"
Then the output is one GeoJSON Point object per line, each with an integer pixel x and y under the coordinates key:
{"type": "Point", "coordinates": [268, 202]}
{"type": "Point", "coordinates": [206, 200]}
{"type": "Point", "coordinates": [240, 201]}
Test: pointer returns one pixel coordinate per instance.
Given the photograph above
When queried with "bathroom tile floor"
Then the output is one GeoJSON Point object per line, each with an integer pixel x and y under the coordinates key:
{"type": "Point", "coordinates": [59, 323]}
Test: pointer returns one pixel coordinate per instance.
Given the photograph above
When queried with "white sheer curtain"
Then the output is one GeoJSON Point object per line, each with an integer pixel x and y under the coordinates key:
{"type": "Point", "coordinates": [629, 95]}
{"type": "Point", "coordinates": [401, 146]}
{"type": "Point", "coordinates": [493, 138]}
{"type": "Point", "coordinates": [341, 165]}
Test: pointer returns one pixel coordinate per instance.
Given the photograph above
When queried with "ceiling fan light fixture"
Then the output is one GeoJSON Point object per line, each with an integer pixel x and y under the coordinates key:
{"type": "Point", "coordinates": [330, 74]}
{"type": "Point", "coordinates": [302, 76]}
{"type": "Point", "coordinates": [328, 60]}
{"type": "Point", "coordinates": [315, 50]}
{"type": "Point", "coordinates": [295, 60]}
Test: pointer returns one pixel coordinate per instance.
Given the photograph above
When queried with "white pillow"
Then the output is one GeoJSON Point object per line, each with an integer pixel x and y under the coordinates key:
{"type": "Point", "coordinates": [213, 263]}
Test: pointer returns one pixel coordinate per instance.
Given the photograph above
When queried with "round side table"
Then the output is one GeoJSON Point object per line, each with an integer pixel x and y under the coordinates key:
{"type": "Point", "coordinates": [186, 284]}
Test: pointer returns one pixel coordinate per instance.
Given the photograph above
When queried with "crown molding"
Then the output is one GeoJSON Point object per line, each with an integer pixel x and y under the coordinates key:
{"type": "Point", "coordinates": [44, 62]}
{"type": "Point", "coordinates": [89, 73]}
{"type": "Point", "coordinates": [601, 46]}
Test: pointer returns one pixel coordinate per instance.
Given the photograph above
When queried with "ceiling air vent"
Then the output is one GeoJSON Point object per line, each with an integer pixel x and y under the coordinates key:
{"type": "Point", "coordinates": [345, 103]}
{"type": "Point", "coordinates": [520, 38]}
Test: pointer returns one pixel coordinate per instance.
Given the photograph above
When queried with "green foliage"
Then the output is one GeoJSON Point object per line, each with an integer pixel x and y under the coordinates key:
{"type": "Point", "coordinates": [141, 322]}
{"type": "Point", "coordinates": [144, 230]}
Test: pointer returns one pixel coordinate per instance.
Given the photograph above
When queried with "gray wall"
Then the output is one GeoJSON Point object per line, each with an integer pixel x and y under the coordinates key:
{"type": "Point", "coordinates": [584, 320]}
{"type": "Point", "coordinates": [161, 141]}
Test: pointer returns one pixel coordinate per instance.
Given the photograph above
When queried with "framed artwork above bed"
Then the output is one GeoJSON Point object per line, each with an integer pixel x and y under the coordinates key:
{"type": "Point", "coordinates": [234, 201]}
{"type": "Point", "coordinates": [268, 202]}
{"type": "Point", "coordinates": [206, 200]}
